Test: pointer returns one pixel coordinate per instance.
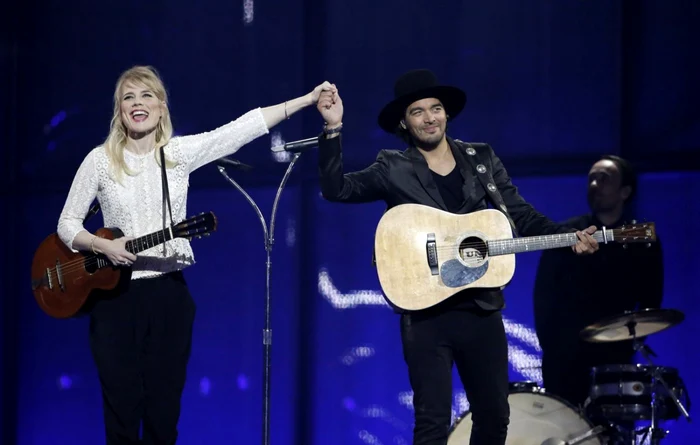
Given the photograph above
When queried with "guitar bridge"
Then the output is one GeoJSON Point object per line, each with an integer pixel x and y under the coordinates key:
{"type": "Point", "coordinates": [49, 278]}
{"type": "Point", "coordinates": [59, 275]}
{"type": "Point", "coordinates": [431, 252]}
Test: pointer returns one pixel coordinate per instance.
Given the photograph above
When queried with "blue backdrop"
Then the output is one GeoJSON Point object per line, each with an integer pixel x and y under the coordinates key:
{"type": "Point", "coordinates": [338, 372]}
{"type": "Point", "coordinates": [551, 85]}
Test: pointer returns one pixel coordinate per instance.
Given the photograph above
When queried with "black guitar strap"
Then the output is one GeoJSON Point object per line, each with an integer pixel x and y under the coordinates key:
{"type": "Point", "coordinates": [166, 194]}
{"type": "Point", "coordinates": [486, 179]}
{"type": "Point", "coordinates": [93, 211]}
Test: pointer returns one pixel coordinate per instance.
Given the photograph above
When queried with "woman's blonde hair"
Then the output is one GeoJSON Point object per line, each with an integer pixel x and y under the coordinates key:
{"type": "Point", "coordinates": [117, 138]}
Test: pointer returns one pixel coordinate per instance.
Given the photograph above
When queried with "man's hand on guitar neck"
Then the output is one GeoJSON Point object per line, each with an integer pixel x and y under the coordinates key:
{"type": "Point", "coordinates": [586, 245]}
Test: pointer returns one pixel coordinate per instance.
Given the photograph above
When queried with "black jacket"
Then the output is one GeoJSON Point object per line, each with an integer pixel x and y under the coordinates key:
{"type": "Point", "coordinates": [403, 177]}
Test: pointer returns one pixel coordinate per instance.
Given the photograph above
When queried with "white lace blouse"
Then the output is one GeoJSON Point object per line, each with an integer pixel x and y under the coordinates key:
{"type": "Point", "coordinates": [136, 206]}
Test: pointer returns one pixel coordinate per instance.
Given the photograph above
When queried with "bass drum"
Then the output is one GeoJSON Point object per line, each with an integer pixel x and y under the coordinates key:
{"type": "Point", "coordinates": [535, 416]}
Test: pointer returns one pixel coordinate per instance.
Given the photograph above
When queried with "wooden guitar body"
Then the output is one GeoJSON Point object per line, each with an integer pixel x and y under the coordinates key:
{"type": "Point", "coordinates": [63, 281]}
{"type": "Point", "coordinates": [404, 236]}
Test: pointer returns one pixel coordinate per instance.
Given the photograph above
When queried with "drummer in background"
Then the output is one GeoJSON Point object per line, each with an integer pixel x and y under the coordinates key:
{"type": "Point", "coordinates": [572, 292]}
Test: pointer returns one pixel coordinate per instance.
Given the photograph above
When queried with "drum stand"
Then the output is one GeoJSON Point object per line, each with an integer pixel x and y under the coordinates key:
{"type": "Point", "coordinates": [654, 430]}
{"type": "Point", "coordinates": [267, 331]}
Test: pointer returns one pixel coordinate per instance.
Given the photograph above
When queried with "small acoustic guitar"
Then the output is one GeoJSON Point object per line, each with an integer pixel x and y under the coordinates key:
{"type": "Point", "coordinates": [64, 282]}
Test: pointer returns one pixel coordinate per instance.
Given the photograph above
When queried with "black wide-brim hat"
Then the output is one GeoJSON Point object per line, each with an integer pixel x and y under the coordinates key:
{"type": "Point", "coordinates": [416, 85]}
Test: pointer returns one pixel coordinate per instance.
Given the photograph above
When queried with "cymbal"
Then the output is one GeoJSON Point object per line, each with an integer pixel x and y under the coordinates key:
{"type": "Point", "coordinates": [631, 324]}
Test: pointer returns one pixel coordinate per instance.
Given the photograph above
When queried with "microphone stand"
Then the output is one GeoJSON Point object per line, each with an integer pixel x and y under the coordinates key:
{"type": "Point", "coordinates": [267, 330]}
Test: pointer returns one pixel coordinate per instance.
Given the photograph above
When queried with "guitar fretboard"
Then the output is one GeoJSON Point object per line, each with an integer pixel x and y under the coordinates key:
{"type": "Point", "coordinates": [533, 243]}
{"type": "Point", "coordinates": [147, 241]}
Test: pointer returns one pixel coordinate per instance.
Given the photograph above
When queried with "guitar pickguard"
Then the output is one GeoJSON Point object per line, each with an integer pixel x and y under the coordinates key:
{"type": "Point", "coordinates": [455, 274]}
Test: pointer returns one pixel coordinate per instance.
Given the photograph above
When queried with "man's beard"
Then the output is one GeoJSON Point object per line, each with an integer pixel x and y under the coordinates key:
{"type": "Point", "coordinates": [427, 145]}
{"type": "Point", "coordinates": [597, 204]}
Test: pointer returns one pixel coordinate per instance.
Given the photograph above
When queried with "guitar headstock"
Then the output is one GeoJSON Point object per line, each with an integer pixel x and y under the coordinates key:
{"type": "Point", "coordinates": [636, 233]}
{"type": "Point", "coordinates": [195, 226]}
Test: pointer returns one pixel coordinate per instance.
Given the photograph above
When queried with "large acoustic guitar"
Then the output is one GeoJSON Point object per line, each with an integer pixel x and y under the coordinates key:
{"type": "Point", "coordinates": [64, 282]}
{"type": "Point", "coordinates": [425, 255]}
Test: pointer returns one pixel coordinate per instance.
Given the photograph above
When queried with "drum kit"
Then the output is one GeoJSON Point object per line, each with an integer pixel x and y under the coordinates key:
{"type": "Point", "coordinates": [619, 396]}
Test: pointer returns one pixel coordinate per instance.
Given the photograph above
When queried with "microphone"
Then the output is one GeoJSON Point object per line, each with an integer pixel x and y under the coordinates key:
{"type": "Point", "coordinates": [297, 146]}
{"type": "Point", "coordinates": [223, 162]}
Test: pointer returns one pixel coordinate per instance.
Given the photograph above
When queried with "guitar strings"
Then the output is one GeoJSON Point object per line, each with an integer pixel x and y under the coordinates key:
{"type": "Point", "coordinates": [68, 267]}
{"type": "Point", "coordinates": [80, 264]}
{"type": "Point", "coordinates": [486, 244]}
{"type": "Point", "coordinates": [134, 242]}
{"type": "Point", "coordinates": [495, 243]}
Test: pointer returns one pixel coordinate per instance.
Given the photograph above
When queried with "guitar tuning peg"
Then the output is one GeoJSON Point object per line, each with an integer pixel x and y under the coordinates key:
{"type": "Point", "coordinates": [199, 236]}
{"type": "Point", "coordinates": [207, 234]}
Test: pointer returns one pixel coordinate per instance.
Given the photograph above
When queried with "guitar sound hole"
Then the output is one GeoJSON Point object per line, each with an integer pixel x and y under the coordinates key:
{"type": "Point", "coordinates": [473, 251]}
{"type": "Point", "coordinates": [91, 264]}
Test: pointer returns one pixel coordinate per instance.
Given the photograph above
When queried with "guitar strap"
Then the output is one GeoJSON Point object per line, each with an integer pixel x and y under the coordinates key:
{"type": "Point", "coordinates": [93, 211]}
{"type": "Point", "coordinates": [166, 193]}
{"type": "Point", "coordinates": [486, 179]}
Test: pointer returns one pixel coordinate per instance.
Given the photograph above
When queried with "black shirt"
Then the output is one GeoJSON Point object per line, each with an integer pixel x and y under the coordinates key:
{"type": "Point", "coordinates": [450, 187]}
{"type": "Point", "coordinates": [572, 291]}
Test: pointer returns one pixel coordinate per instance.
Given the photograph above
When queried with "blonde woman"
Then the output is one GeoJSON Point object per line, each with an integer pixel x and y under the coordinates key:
{"type": "Point", "coordinates": [140, 340]}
